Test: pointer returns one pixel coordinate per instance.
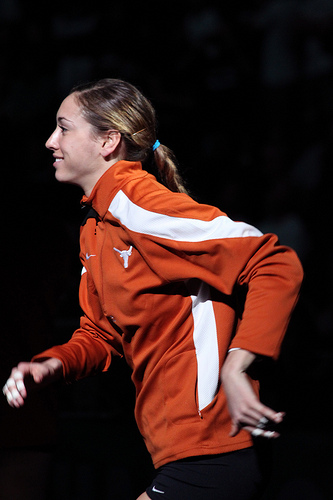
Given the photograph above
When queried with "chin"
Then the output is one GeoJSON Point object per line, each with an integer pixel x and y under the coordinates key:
{"type": "Point", "coordinates": [61, 177]}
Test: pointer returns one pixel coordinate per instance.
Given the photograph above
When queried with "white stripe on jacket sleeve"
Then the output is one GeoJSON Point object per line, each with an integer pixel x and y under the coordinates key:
{"type": "Point", "coordinates": [143, 221]}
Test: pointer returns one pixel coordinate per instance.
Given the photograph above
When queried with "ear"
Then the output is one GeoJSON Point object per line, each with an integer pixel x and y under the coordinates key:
{"type": "Point", "coordinates": [110, 142]}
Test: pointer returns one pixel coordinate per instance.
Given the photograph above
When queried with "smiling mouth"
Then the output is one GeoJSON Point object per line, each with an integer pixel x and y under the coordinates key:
{"type": "Point", "coordinates": [56, 161]}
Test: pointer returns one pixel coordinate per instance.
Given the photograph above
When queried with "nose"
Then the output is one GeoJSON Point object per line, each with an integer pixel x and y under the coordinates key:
{"type": "Point", "coordinates": [52, 142]}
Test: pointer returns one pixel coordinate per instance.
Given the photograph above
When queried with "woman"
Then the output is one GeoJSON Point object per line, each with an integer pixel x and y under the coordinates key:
{"type": "Point", "coordinates": [161, 285]}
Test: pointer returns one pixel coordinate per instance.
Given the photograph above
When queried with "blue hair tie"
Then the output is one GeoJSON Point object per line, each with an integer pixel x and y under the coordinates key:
{"type": "Point", "coordinates": [157, 143]}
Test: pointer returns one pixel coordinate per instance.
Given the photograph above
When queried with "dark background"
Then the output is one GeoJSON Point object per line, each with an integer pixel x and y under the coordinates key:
{"type": "Point", "coordinates": [243, 92]}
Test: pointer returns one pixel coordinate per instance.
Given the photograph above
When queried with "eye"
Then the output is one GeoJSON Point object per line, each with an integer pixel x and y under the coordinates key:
{"type": "Point", "coordinates": [63, 129]}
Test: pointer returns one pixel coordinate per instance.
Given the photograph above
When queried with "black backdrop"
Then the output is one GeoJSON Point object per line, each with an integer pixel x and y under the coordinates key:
{"type": "Point", "coordinates": [243, 92]}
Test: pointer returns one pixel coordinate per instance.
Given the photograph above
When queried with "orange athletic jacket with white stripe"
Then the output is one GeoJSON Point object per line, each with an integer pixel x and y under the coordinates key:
{"type": "Point", "coordinates": [160, 286]}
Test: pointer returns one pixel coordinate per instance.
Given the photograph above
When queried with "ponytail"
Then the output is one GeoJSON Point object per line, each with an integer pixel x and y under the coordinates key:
{"type": "Point", "coordinates": [167, 169]}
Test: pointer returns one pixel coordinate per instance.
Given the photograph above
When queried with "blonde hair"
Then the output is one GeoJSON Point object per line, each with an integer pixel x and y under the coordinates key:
{"type": "Point", "coordinates": [112, 104]}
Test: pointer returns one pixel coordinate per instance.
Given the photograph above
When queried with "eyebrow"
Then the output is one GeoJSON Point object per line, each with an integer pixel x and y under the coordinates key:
{"type": "Point", "coordinates": [62, 118]}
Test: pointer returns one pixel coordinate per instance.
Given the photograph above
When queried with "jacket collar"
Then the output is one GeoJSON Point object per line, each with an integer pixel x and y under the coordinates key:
{"type": "Point", "coordinates": [110, 183]}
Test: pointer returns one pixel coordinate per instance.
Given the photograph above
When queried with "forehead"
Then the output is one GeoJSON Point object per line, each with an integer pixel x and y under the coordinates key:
{"type": "Point", "coordinates": [70, 110]}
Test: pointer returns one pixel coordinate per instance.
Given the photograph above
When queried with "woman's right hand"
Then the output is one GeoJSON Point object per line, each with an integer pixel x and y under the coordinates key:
{"type": "Point", "coordinates": [27, 376]}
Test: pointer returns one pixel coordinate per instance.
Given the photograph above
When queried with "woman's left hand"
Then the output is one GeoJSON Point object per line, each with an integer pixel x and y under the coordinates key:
{"type": "Point", "coordinates": [246, 410]}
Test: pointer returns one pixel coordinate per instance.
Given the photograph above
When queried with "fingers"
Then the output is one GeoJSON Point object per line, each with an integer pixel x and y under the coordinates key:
{"type": "Point", "coordinates": [264, 434]}
{"type": "Point", "coordinates": [235, 428]}
{"type": "Point", "coordinates": [255, 432]}
{"type": "Point", "coordinates": [31, 375]}
{"type": "Point", "coordinates": [254, 413]}
{"type": "Point", "coordinates": [14, 389]}
{"type": "Point", "coordinates": [264, 427]}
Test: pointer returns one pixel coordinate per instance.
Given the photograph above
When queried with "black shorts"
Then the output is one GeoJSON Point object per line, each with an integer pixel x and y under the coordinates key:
{"type": "Point", "coordinates": [229, 476]}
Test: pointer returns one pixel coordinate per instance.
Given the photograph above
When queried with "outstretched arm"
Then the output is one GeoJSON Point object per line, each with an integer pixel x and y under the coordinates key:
{"type": "Point", "coordinates": [246, 410]}
{"type": "Point", "coordinates": [28, 376]}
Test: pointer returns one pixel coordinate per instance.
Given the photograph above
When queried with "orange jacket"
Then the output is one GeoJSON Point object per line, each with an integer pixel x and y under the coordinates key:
{"type": "Point", "coordinates": [160, 281]}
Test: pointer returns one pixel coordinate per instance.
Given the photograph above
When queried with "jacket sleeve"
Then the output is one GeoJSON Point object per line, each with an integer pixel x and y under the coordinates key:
{"type": "Point", "coordinates": [272, 276]}
{"type": "Point", "coordinates": [181, 239]}
{"type": "Point", "coordinates": [92, 345]}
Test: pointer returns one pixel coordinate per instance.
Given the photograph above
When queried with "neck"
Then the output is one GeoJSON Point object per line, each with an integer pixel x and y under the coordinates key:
{"type": "Point", "coordinates": [94, 178]}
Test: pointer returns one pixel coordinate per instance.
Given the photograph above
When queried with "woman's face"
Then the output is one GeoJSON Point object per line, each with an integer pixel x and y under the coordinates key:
{"type": "Point", "coordinates": [77, 152]}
